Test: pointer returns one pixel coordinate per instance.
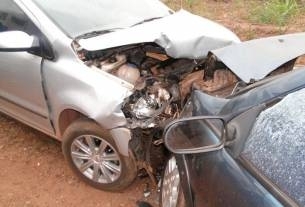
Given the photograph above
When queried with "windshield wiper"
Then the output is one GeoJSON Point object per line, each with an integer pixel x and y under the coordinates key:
{"type": "Point", "coordinates": [95, 33]}
{"type": "Point", "coordinates": [146, 20]}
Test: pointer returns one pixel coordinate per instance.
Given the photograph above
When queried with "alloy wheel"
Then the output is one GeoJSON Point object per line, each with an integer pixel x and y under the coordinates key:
{"type": "Point", "coordinates": [96, 159]}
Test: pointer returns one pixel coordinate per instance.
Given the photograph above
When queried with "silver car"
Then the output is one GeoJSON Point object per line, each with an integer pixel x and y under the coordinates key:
{"type": "Point", "coordinates": [104, 77]}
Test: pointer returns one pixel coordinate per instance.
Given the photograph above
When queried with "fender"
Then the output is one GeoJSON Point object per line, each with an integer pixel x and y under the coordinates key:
{"type": "Point", "coordinates": [98, 95]}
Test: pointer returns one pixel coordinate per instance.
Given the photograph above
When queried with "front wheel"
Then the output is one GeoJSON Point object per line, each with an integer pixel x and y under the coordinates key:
{"type": "Point", "coordinates": [93, 156]}
{"type": "Point", "coordinates": [171, 191]}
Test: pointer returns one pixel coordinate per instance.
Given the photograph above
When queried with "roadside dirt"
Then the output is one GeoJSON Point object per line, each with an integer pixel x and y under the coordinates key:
{"type": "Point", "coordinates": [33, 173]}
{"type": "Point", "coordinates": [32, 167]}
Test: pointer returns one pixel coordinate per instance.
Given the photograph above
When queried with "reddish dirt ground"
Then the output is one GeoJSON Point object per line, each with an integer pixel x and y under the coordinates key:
{"type": "Point", "coordinates": [33, 171]}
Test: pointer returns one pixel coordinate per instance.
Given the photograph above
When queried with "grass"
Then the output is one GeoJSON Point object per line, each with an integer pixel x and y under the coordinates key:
{"type": "Point", "coordinates": [249, 18]}
{"type": "Point", "coordinates": [274, 12]}
{"type": "Point", "coordinates": [220, 9]}
{"type": "Point", "coordinates": [277, 12]}
{"type": "Point", "coordinates": [190, 2]}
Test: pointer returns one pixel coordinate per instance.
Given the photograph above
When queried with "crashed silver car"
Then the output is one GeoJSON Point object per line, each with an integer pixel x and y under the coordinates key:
{"type": "Point", "coordinates": [106, 76]}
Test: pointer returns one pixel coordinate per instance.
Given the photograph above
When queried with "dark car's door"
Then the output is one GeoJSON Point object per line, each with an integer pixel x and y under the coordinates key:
{"type": "Point", "coordinates": [217, 180]}
{"type": "Point", "coordinates": [21, 92]}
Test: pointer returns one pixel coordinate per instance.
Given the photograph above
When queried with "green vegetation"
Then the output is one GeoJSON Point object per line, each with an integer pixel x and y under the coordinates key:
{"type": "Point", "coordinates": [189, 2]}
{"type": "Point", "coordinates": [276, 12]}
{"type": "Point", "coordinates": [282, 15]}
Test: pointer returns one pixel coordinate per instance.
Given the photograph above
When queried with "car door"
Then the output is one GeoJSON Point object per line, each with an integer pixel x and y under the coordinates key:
{"type": "Point", "coordinates": [21, 90]}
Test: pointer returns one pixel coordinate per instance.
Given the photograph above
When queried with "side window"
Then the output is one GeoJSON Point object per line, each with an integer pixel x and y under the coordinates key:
{"type": "Point", "coordinates": [276, 146]}
{"type": "Point", "coordinates": [13, 18]}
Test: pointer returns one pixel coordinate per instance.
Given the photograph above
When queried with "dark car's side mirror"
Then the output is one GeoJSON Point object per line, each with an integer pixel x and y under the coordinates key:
{"type": "Point", "coordinates": [17, 41]}
{"type": "Point", "coordinates": [195, 135]}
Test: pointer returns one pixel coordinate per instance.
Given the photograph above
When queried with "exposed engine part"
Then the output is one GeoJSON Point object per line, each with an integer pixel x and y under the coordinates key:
{"type": "Point", "coordinates": [157, 56]}
{"type": "Point", "coordinates": [175, 92]}
{"type": "Point", "coordinates": [222, 79]}
{"type": "Point", "coordinates": [113, 63]}
{"type": "Point", "coordinates": [158, 142]}
{"type": "Point", "coordinates": [151, 105]}
{"type": "Point", "coordinates": [161, 83]}
{"type": "Point", "coordinates": [186, 84]}
{"type": "Point", "coordinates": [146, 191]}
{"type": "Point", "coordinates": [147, 107]}
{"type": "Point", "coordinates": [128, 73]}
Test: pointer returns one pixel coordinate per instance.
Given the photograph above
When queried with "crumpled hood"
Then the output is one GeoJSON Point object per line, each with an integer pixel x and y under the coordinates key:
{"type": "Point", "coordinates": [254, 59]}
{"type": "Point", "coordinates": [182, 35]}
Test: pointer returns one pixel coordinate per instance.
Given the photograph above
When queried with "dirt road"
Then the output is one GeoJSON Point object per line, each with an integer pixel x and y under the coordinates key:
{"type": "Point", "coordinates": [33, 173]}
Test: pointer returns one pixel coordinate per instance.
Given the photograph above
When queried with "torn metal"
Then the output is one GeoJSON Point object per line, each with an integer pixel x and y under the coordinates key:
{"type": "Point", "coordinates": [254, 59]}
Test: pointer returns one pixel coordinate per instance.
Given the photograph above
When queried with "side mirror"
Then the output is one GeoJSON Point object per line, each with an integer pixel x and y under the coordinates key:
{"type": "Point", "coordinates": [17, 41]}
{"type": "Point", "coordinates": [195, 135]}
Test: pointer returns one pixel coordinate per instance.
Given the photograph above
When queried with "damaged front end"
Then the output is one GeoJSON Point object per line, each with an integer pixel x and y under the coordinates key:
{"type": "Point", "coordinates": [161, 59]}
{"type": "Point", "coordinates": [161, 86]}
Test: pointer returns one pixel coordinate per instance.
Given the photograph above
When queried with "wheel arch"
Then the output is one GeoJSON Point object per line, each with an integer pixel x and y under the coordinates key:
{"type": "Point", "coordinates": [66, 118]}
{"type": "Point", "coordinates": [121, 135]}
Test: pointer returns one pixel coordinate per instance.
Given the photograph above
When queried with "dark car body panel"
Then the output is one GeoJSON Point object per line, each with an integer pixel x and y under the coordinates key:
{"type": "Point", "coordinates": [216, 179]}
{"type": "Point", "coordinates": [221, 178]}
{"type": "Point", "coordinates": [274, 88]}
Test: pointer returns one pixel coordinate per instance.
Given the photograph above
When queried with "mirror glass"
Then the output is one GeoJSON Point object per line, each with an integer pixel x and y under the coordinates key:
{"type": "Point", "coordinates": [195, 135]}
{"type": "Point", "coordinates": [16, 40]}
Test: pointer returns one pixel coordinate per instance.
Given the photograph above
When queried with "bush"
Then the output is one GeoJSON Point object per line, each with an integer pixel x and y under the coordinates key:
{"type": "Point", "coordinates": [276, 11]}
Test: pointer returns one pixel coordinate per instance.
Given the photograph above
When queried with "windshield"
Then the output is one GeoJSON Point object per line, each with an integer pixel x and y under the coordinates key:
{"type": "Point", "coordinates": [78, 17]}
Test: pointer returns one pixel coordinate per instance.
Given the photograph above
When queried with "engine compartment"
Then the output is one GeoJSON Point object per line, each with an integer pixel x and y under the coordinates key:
{"type": "Point", "coordinates": [161, 83]}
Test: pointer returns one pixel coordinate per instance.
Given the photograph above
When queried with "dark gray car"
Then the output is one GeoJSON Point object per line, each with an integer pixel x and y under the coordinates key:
{"type": "Point", "coordinates": [245, 150]}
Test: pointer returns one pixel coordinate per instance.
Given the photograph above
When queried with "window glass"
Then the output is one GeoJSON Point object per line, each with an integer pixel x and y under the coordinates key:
{"type": "Point", "coordinates": [12, 18]}
{"type": "Point", "coordinates": [276, 146]}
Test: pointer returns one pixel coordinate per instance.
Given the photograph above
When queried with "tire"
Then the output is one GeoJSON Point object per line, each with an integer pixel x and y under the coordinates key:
{"type": "Point", "coordinates": [171, 190]}
{"type": "Point", "coordinates": [92, 154]}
